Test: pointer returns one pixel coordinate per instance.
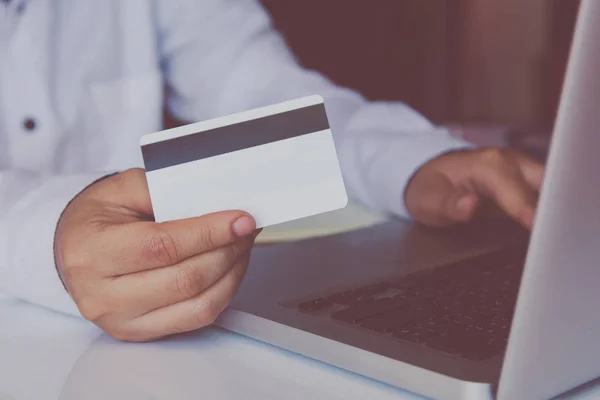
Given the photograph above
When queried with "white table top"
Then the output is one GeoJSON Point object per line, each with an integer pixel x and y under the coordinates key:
{"type": "Point", "coordinates": [46, 355]}
{"type": "Point", "coordinates": [50, 356]}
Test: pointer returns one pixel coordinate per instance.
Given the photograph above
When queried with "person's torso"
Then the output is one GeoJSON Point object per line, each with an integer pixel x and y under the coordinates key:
{"type": "Point", "coordinates": [80, 82]}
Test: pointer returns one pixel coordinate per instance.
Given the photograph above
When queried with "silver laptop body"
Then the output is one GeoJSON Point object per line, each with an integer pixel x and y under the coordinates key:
{"type": "Point", "coordinates": [553, 337]}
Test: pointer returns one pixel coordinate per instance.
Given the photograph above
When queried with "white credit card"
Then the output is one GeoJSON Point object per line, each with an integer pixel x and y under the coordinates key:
{"type": "Point", "coordinates": [278, 163]}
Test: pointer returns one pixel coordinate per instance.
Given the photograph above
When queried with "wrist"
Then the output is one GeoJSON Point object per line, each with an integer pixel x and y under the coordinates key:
{"type": "Point", "coordinates": [56, 253]}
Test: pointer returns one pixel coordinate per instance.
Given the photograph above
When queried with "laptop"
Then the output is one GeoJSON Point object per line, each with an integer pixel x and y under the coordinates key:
{"type": "Point", "coordinates": [480, 311]}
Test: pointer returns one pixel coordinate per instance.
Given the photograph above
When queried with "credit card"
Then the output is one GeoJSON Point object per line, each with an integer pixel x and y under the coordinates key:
{"type": "Point", "coordinates": [278, 163]}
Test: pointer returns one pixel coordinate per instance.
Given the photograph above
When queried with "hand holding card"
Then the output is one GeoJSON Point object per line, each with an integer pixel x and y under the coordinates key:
{"type": "Point", "coordinates": [278, 163]}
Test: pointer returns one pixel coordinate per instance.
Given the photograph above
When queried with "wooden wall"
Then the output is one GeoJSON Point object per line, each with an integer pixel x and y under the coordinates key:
{"type": "Point", "coordinates": [387, 49]}
{"type": "Point", "coordinates": [484, 61]}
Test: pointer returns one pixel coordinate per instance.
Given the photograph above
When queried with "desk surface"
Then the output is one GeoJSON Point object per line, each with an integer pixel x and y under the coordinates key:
{"type": "Point", "coordinates": [47, 355]}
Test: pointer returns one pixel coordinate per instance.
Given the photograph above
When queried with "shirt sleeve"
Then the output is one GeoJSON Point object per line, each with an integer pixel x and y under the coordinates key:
{"type": "Point", "coordinates": [222, 57]}
{"type": "Point", "coordinates": [30, 207]}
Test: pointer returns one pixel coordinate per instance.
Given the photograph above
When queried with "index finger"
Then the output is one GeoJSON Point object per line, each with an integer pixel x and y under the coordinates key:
{"type": "Point", "coordinates": [511, 192]}
{"type": "Point", "coordinates": [145, 245]}
{"type": "Point", "coordinates": [532, 171]}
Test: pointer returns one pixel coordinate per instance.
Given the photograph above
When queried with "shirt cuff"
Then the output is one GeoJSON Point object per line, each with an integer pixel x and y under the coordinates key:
{"type": "Point", "coordinates": [399, 158]}
{"type": "Point", "coordinates": [32, 275]}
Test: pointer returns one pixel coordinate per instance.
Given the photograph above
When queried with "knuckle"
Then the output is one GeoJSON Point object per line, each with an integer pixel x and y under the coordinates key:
{"type": "Point", "coordinates": [240, 270]}
{"type": "Point", "coordinates": [228, 255]}
{"type": "Point", "coordinates": [134, 173]}
{"type": "Point", "coordinates": [234, 252]}
{"type": "Point", "coordinates": [91, 309]}
{"type": "Point", "coordinates": [207, 237]}
{"type": "Point", "coordinates": [160, 246]}
{"type": "Point", "coordinates": [74, 265]}
{"type": "Point", "coordinates": [523, 205]}
{"type": "Point", "coordinates": [126, 176]}
{"type": "Point", "coordinates": [189, 281]}
{"type": "Point", "coordinates": [206, 312]}
{"type": "Point", "coordinates": [123, 181]}
{"type": "Point", "coordinates": [119, 335]}
{"type": "Point", "coordinates": [70, 255]}
{"type": "Point", "coordinates": [128, 335]}
{"type": "Point", "coordinates": [515, 203]}
{"type": "Point", "coordinates": [494, 156]}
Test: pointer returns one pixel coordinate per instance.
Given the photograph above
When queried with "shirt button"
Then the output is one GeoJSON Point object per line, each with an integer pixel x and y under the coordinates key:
{"type": "Point", "coordinates": [29, 124]}
{"type": "Point", "coordinates": [21, 8]}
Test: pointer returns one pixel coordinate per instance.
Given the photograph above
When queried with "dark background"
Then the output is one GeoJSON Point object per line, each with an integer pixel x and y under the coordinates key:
{"type": "Point", "coordinates": [483, 65]}
{"type": "Point", "coordinates": [460, 61]}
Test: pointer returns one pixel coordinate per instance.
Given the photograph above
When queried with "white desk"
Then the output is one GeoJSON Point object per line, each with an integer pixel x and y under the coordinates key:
{"type": "Point", "coordinates": [45, 355]}
{"type": "Point", "coordinates": [50, 356]}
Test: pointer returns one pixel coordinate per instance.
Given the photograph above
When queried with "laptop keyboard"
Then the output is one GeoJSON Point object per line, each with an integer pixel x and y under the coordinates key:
{"type": "Point", "coordinates": [462, 309]}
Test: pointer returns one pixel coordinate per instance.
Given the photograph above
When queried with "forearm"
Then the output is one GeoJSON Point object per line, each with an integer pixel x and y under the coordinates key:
{"type": "Point", "coordinates": [380, 145]}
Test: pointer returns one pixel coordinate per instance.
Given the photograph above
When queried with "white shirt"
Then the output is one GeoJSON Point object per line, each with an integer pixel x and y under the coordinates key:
{"type": "Point", "coordinates": [90, 74]}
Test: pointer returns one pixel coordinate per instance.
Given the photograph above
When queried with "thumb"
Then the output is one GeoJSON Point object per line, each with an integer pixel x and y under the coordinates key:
{"type": "Point", "coordinates": [463, 205]}
{"type": "Point", "coordinates": [438, 202]}
{"type": "Point", "coordinates": [125, 190]}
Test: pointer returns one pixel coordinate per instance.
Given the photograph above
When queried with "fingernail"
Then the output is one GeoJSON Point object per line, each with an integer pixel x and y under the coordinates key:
{"type": "Point", "coordinates": [244, 225]}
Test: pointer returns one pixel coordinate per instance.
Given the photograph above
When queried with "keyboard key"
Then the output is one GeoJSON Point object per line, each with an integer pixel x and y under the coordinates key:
{"type": "Point", "coordinates": [351, 297]}
{"type": "Point", "coordinates": [414, 333]}
{"type": "Point", "coordinates": [347, 298]}
{"type": "Point", "coordinates": [315, 305]}
{"type": "Point", "coordinates": [368, 308]}
{"type": "Point", "coordinates": [411, 336]}
{"type": "Point", "coordinates": [391, 321]}
{"type": "Point", "coordinates": [463, 309]}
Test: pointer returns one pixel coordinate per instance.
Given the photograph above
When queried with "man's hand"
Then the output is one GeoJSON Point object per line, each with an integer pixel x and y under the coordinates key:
{"type": "Point", "coordinates": [452, 187]}
{"type": "Point", "coordinates": [139, 280]}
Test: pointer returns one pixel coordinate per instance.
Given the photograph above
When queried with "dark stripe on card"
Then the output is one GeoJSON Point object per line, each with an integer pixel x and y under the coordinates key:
{"type": "Point", "coordinates": [243, 135]}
